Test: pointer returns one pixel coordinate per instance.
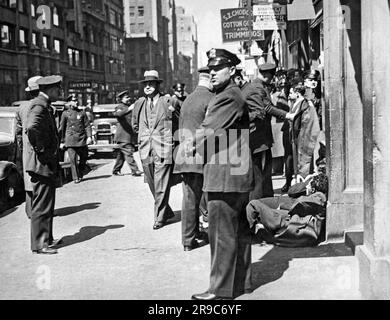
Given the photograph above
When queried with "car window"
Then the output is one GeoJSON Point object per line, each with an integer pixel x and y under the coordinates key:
{"type": "Point", "coordinates": [7, 125]}
{"type": "Point", "coordinates": [104, 115]}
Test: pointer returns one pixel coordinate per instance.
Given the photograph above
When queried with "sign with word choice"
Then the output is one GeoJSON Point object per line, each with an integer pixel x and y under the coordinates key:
{"type": "Point", "coordinates": [270, 17]}
{"type": "Point", "coordinates": [237, 25]}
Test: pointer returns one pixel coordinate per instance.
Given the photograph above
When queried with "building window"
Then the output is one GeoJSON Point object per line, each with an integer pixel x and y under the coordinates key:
{"type": "Point", "coordinates": [22, 5]}
{"type": "Point", "coordinates": [5, 35]}
{"type": "Point", "coordinates": [56, 20]}
{"type": "Point", "coordinates": [74, 57]}
{"type": "Point", "coordinates": [141, 11]}
{"type": "Point", "coordinates": [93, 61]}
{"type": "Point", "coordinates": [132, 11]}
{"type": "Point", "coordinates": [12, 4]}
{"type": "Point", "coordinates": [45, 42]}
{"type": "Point", "coordinates": [33, 10]}
{"type": "Point", "coordinates": [112, 16]}
{"type": "Point", "coordinates": [34, 39]}
{"type": "Point", "coordinates": [114, 43]}
{"type": "Point", "coordinates": [141, 27]}
{"type": "Point", "coordinates": [22, 36]}
{"type": "Point", "coordinates": [57, 46]}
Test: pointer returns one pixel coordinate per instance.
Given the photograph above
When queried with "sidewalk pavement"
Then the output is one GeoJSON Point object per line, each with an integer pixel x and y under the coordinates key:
{"type": "Point", "coordinates": [110, 251]}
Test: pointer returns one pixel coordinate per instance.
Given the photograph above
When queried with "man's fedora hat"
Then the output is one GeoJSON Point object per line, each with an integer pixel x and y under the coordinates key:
{"type": "Point", "coordinates": [218, 57]}
{"type": "Point", "coordinates": [267, 67]}
{"type": "Point", "coordinates": [32, 84]}
{"type": "Point", "coordinates": [71, 97]}
{"type": "Point", "coordinates": [122, 94]}
{"type": "Point", "coordinates": [151, 75]}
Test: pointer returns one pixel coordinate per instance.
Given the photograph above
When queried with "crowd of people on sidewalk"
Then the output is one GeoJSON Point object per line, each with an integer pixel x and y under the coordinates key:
{"type": "Point", "coordinates": [216, 141]}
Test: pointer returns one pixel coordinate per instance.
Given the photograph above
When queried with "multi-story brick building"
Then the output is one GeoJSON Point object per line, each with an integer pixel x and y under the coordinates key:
{"type": "Point", "coordinates": [187, 42]}
{"type": "Point", "coordinates": [147, 24]}
{"type": "Point", "coordinates": [80, 40]}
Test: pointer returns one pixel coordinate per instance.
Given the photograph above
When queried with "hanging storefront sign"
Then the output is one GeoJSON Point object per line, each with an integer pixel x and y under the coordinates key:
{"type": "Point", "coordinates": [301, 10]}
{"type": "Point", "coordinates": [237, 25]}
{"type": "Point", "coordinates": [270, 17]}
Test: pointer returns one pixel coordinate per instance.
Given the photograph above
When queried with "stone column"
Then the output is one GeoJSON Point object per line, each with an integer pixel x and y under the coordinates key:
{"type": "Point", "coordinates": [374, 255]}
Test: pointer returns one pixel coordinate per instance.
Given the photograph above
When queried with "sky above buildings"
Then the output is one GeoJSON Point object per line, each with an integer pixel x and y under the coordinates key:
{"type": "Point", "coordinates": [208, 18]}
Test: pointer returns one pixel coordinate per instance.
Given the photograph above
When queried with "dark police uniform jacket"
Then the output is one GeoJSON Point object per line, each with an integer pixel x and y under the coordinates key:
{"type": "Point", "coordinates": [261, 110]}
{"type": "Point", "coordinates": [75, 128]}
{"type": "Point", "coordinates": [43, 139]}
{"type": "Point", "coordinates": [124, 131]}
{"type": "Point", "coordinates": [227, 115]}
{"type": "Point", "coordinates": [193, 112]}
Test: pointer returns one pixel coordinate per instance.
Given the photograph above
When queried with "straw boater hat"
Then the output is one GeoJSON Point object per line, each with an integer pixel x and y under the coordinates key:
{"type": "Point", "coordinates": [151, 75]}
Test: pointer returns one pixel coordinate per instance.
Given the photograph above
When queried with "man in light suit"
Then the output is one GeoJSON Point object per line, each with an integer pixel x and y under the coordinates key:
{"type": "Point", "coordinates": [153, 120]}
{"type": "Point", "coordinates": [42, 163]}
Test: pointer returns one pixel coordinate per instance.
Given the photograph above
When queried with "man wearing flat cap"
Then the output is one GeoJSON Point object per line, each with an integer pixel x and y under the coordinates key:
{"type": "Point", "coordinates": [153, 121]}
{"type": "Point", "coordinates": [193, 112]}
{"type": "Point", "coordinates": [125, 136]}
{"type": "Point", "coordinates": [42, 163]}
{"type": "Point", "coordinates": [32, 91]}
{"type": "Point", "coordinates": [261, 110]}
{"type": "Point", "coordinates": [228, 180]}
{"type": "Point", "coordinates": [76, 134]}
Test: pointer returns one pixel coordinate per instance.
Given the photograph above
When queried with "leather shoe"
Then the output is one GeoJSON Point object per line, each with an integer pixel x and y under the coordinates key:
{"type": "Point", "coordinates": [137, 174]}
{"type": "Point", "coordinates": [55, 243]}
{"type": "Point", "coordinates": [118, 174]}
{"type": "Point", "coordinates": [194, 246]}
{"type": "Point", "coordinates": [207, 296]}
{"type": "Point", "coordinates": [158, 225]}
{"type": "Point", "coordinates": [46, 251]}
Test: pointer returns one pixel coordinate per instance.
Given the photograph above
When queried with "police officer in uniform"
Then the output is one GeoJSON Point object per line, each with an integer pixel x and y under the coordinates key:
{"type": "Point", "coordinates": [76, 135]}
{"type": "Point", "coordinates": [193, 112]}
{"type": "Point", "coordinates": [227, 183]}
{"type": "Point", "coordinates": [21, 120]}
{"type": "Point", "coordinates": [42, 163]}
{"type": "Point", "coordinates": [257, 95]}
{"type": "Point", "coordinates": [125, 136]}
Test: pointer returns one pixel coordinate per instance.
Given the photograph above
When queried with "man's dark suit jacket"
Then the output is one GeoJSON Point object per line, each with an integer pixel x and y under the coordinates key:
{"type": "Point", "coordinates": [227, 113]}
{"type": "Point", "coordinates": [75, 128]}
{"type": "Point", "coordinates": [261, 111]}
{"type": "Point", "coordinates": [193, 112]}
{"type": "Point", "coordinates": [42, 155]}
{"type": "Point", "coordinates": [124, 131]}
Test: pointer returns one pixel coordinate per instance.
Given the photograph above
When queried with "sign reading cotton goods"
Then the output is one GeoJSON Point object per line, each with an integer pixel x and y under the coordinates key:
{"type": "Point", "coordinates": [269, 17]}
{"type": "Point", "coordinates": [237, 25]}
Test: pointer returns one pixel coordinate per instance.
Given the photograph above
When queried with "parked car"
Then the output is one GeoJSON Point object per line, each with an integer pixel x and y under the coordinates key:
{"type": "Point", "coordinates": [104, 128]}
{"type": "Point", "coordinates": [11, 168]}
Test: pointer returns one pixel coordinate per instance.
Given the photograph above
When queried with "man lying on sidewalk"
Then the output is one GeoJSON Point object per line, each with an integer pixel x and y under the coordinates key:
{"type": "Point", "coordinates": [290, 222]}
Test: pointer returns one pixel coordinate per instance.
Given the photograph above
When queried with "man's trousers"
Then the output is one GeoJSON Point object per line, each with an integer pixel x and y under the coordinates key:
{"type": "Point", "coordinates": [192, 195]}
{"type": "Point", "coordinates": [78, 167]}
{"type": "Point", "coordinates": [158, 175]}
{"type": "Point", "coordinates": [262, 169]}
{"type": "Point", "coordinates": [230, 244]}
{"type": "Point", "coordinates": [42, 211]}
{"type": "Point", "coordinates": [125, 152]}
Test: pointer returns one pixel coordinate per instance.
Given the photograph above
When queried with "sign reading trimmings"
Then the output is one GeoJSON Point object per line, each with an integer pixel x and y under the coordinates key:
{"type": "Point", "coordinates": [270, 17]}
{"type": "Point", "coordinates": [237, 25]}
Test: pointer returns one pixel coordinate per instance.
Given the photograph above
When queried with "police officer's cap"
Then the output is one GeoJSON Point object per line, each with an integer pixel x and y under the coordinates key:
{"type": "Point", "coordinates": [179, 86]}
{"type": "Point", "coordinates": [219, 57]}
{"type": "Point", "coordinates": [267, 67]}
{"type": "Point", "coordinates": [122, 94]}
{"type": "Point", "coordinates": [71, 97]}
{"type": "Point", "coordinates": [50, 81]}
{"type": "Point", "coordinates": [204, 70]}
